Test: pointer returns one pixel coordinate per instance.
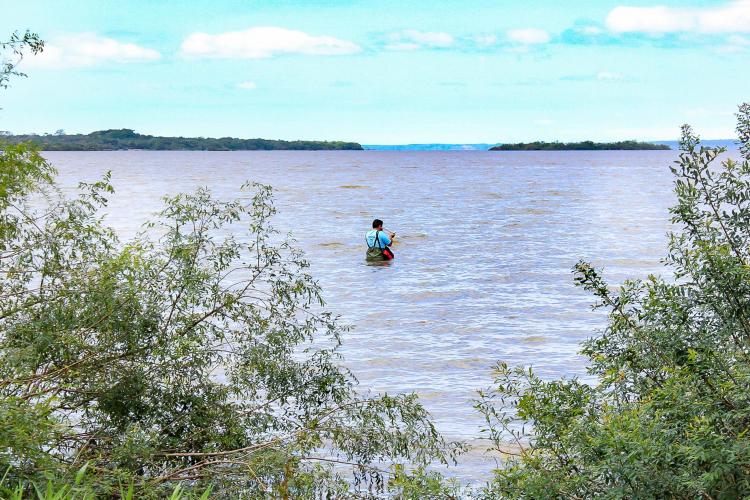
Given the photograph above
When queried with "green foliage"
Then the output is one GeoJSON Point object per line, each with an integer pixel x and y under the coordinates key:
{"type": "Point", "coordinates": [128, 139]}
{"type": "Point", "coordinates": [579, 146]}
{"type": "Point", "coordinates": [198, 354]}
{"type": "Point", "coordinates": [670, 415]}
{"type": "Point", "coordinates": [76, 490]}
{"type": "Point", "coordinates": [12, 51]}
{"type": "Point", "coordinates": [420, 483]}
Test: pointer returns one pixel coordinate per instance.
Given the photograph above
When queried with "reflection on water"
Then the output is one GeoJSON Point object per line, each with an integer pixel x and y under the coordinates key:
{"type": "Point", "coordinates": [486, 243]}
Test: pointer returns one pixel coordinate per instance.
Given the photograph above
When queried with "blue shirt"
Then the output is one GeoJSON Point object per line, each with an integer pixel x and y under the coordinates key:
{"type": "Point", "coordinates": [384, 239]}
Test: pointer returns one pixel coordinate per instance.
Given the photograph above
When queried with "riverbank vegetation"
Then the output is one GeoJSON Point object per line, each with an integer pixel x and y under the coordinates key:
{"type": "Point", "coordinates": [108, 140]}
{"type": "Point", "coordinates": [181, 358]}
{"type": "Point", "coordinates": [670, 413]}
{"type": "Point", "coordinates": [579, 146]}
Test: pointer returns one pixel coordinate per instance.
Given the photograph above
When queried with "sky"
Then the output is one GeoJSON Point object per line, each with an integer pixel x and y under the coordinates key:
{"type": "Point", "coordinates": [382, 72]}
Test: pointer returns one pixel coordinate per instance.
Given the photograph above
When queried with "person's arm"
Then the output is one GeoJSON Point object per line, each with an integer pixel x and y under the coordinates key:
{"type": "Point", "coordinates": [385, 240]}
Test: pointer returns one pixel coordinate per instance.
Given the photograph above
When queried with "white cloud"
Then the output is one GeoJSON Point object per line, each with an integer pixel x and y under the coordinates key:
{"type": "Point", "coordinates": [433, 39]}
{"type": "Point", "coordinates": [485, 41]}
{"type": "Point", "coordinates": [403, 46]}
{"type": "Point", "coordinates": [262, 42]}
{"type": "Point", "coordinates": [415, 40]}
{"type": "Point", "coordinates": [608, 76]}
{"type": "Point", "coordinates": [733, 17]}
{"type": "Point", "coordinates": [247, 86]}
{"type": "Point", "coordinates": [88, 49]}
{"type": "Point", "coordinates": [591, 30]}
{"type": "Point", "coordinates": [528, 36]}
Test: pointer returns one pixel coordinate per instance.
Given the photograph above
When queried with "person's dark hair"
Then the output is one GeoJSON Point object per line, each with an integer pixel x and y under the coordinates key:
{"type": "Point", "coordinates": [377, 223]}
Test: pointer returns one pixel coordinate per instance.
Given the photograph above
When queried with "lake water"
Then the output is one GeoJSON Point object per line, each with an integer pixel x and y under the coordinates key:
{"type": "Point", "coordinates": [486, 243]}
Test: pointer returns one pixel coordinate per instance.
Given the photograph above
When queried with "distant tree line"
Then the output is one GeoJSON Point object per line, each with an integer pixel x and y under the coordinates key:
{"type": "Point", "coordinates": [578, 146]}
{"type": "Point", "coordinates": [114, 139]}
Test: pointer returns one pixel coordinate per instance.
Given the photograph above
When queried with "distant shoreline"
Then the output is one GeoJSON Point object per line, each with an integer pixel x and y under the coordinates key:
{"type": "Point", "coordinates": [127, 139]}
{"type": "Point", "coordinates": [430, 147]}
{"type": "Point", "coordinates": [581, 146]}
{"type": "Point", "coordinates": [670, 145]}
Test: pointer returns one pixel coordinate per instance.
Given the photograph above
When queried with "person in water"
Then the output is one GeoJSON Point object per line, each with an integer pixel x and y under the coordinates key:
{"type": "Point", "coordinates": [378, 243]}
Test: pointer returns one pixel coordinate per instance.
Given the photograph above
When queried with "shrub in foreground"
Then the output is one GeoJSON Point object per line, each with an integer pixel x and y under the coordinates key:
{"type": "Point", "coordinates": [197, 353]}
{"type": "Point", "coordinates": [670, 415]}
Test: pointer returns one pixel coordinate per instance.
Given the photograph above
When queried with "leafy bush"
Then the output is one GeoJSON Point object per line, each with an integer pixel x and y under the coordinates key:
{"type": "Point", "coordinates": [670, 415]}
{"type": "Point", "coordinates": [198, 352]}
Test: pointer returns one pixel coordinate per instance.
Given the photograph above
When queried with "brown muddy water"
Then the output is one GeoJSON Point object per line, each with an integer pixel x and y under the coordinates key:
{"type": "Point", "coordinates": [486, 243]}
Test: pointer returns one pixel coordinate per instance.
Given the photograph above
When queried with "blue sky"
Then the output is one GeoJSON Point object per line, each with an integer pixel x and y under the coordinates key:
{"type": "Point", "coordinates": [383, 72]}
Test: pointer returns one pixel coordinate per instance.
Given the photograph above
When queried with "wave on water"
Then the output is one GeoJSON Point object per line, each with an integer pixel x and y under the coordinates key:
{"type": "Point", "coordinates": [412, 236]}
{"type": "Point", "coordinates": [530, 211]}
{"type": "Point", "coordinates": [473, 363]}
{"type": "Point", "coordinates": [534, 339]}
{"type": "Point", "coordinates": [432, 294]}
